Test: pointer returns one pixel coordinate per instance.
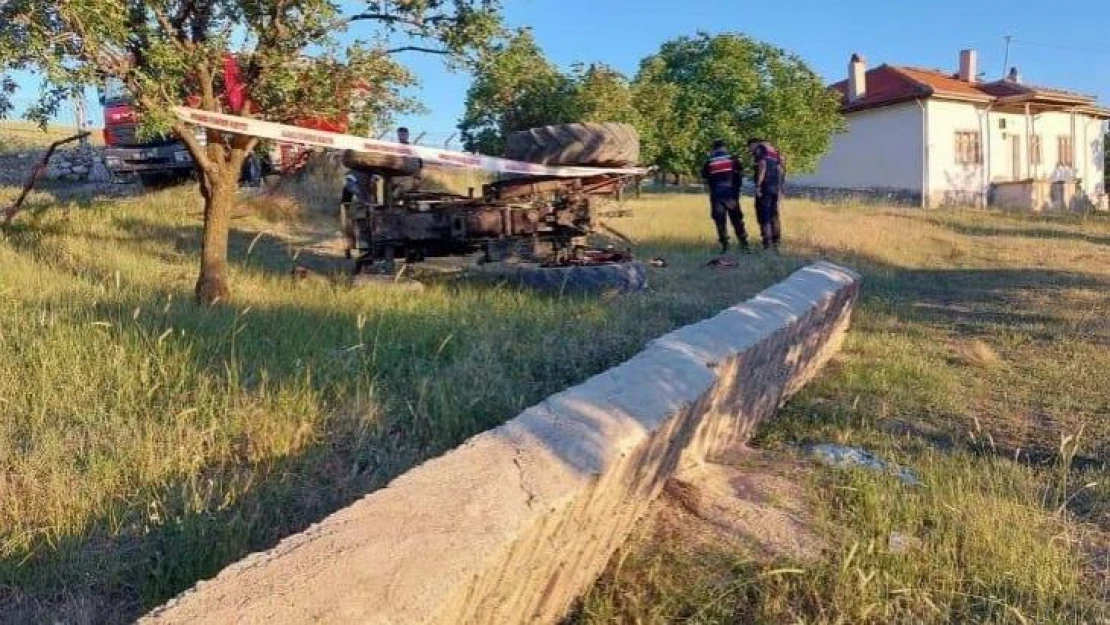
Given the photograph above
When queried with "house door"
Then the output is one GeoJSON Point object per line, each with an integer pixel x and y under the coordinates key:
{"type": "Point", "coordinates": [1015, 157]}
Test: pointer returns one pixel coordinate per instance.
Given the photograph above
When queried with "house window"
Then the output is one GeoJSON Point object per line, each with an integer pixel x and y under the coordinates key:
{"type": "Point", "coordinates": [1066, 151]}
{"type": "Point", "coordinates": [967, 148]}
{"type": "Point", "coordinates": [1035, 150]}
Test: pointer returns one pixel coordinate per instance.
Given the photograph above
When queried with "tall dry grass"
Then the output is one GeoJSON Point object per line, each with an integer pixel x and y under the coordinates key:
{"type": "Point", "coordinates": [145, 442]}
{"type": "Point", "coordinates": [978, 359]}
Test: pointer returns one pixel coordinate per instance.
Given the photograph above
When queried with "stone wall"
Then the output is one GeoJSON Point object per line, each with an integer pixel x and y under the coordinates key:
{"type": "Point", "coordinates": [79, 164]}
{"type": "Point", "coordinates": [512, 526]}
{"type": "Point", "coordinates": [830, 195]}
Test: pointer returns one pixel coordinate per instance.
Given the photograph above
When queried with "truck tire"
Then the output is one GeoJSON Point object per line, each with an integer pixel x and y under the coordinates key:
{"type": "Point", "coordinates": [386, 281]}
{"type": "Point", "coordinates": [155, 180]}
{"type": "Point", "coordinates": [381, 164]}
{"type": "Point", "coordinates": [607, 144]}
{"type": "Point", "coordinates": [579, 279]}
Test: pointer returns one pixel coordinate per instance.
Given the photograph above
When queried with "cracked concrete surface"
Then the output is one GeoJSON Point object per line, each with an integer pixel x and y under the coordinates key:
{"type": "Point", "coordinates": [514, 524]}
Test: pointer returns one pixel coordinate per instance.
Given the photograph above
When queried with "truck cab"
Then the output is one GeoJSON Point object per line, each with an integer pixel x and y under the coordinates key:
{"type": "Point", "coordinates": [166, 157]}
{"type": "Point", "coordinates": [152, 158]}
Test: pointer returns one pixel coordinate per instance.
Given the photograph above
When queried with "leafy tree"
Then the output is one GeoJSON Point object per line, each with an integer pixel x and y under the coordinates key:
{"type": "Point", "coordinates": [601, 94]}
{"type": "Point", "coordinates": [729, 86]}
{"type": "Point", "coordinates": [291, 61]}
{"type": "Point", "coordinates": [515, 87]}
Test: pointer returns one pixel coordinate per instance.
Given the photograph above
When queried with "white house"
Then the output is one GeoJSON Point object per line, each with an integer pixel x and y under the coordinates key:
{"type": "Point", "coordinates": [949, 138]}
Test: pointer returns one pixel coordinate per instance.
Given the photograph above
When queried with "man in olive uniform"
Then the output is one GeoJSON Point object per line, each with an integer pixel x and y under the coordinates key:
{"type": "Point", "coordinates": [723, 174]}
{"type": "Point", "coordinates": [769, 176]}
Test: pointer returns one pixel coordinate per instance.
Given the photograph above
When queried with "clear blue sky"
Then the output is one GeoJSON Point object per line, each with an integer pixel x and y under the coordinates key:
{"type": "Point", "coordinates": [1058, 44]}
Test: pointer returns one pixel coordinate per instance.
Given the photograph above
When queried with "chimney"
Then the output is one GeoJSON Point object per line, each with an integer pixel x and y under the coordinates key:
{"type": "Point", "coordinates": [857, 77]}
{"type": "Point", "coordinates": [969, 66]}
{"type": "Point", "coordinates": [1014, 76]}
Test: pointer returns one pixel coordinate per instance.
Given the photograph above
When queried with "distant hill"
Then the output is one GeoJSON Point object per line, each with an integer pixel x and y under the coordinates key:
{"type": "Point", "coordinates": [23, 135]}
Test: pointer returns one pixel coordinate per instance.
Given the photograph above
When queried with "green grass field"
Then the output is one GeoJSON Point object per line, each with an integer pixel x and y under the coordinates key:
{"type": "Point", "coordinates": [980, 359]}
{"type": "Point", "coordinates": [18, 136]}
{"type": "Point", "coordinates": [145, 443]}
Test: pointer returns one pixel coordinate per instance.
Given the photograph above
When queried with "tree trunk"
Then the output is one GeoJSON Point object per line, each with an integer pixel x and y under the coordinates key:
{"type": "Point", "coordinates": [219, 198]}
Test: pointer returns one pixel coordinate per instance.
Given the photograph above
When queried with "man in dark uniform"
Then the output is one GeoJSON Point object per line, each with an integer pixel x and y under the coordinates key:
{"type": "Point", "coordinates": [723, 174]}
{"type": "Point", "coordinates": [401, 184]}
{"type": "Point", "coordinates": [769, 176]}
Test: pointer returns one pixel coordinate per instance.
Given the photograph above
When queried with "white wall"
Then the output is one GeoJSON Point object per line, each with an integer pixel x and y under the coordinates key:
{"type": "Point", "coordinates": [880, 150]}
{"type": "Point", "coordinates": [950, 181]}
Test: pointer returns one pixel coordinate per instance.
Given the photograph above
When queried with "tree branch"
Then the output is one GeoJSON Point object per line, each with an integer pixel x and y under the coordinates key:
{"type": "Point", "coordinates": [195, 148]}
{"type": "Point", "coordinates": [205, 76]}
{"type": "Point", "coordinates": [417, 49]}
{"type": "Point", "coordinates": [172, 30]}
{"type": "Point", "coordinates": [184, 11]}
{"type": "Point", "coordinates": [389, 18]}
{"type": "Point", "coordinates": [383, 17]}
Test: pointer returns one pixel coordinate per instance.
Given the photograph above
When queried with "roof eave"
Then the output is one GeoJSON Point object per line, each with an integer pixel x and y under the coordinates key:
{"type": "Point", "coordinates": [1098, 112]}
{"type": "Point", "coordinates": [963, 97]}
{"type": "Point", "coordinates": [856, 108]}
{"type": "Point", "coordinates": [1048, 98]}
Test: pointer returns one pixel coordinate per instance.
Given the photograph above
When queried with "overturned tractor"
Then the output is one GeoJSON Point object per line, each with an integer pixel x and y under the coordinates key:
{"type": "Point", "coordinates": [537, 229]}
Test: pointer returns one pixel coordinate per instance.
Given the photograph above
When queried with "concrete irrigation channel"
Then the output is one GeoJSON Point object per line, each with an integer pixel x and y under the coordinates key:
{"type": "Point", "coordinates": [514, 524]}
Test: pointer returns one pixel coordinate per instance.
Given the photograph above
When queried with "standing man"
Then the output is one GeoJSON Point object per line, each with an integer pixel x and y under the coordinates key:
{"type": "Point", "coordinates": [407, 183]}
{"type": "Point", "coordinates": [723, 174]}
{"type": "Point", "coordinates": [769, 176]}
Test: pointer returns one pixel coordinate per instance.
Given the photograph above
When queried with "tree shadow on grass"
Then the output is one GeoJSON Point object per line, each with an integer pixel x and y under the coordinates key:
{"type": "Point", "coordinates": [114, 575]}
{"type": "Point", "coordinates": [105, 575]}
{"type": "Point", "coordinates": [968, 305]}
{"type": "Point", "coordinates": [409, 363]}
{"type": "Point", "coordinates": [131, 559]}
{"type": "Point", "coordinates": [1029, 232]}
{"type": "Point", "coordinates": [971, 302]}
{"type": "Point", "coordinates": [256, 249]}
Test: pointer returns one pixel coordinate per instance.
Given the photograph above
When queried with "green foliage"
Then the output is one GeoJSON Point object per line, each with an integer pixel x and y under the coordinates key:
{"type": "Point", "coordinates": [693, 90]}
{"type": "Point", "coordinates": [602, 94]}
{"type": "Point", "coordinates": [292, 61]}
{"type": "Point", "coordinates": [730, 86]}
{"type": "Point", "coordinates": [517, 88]}
{"type": "Point", "coordinates": [292, 65]}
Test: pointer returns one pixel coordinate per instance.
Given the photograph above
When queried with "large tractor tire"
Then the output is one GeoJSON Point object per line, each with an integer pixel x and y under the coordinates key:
{"type": "Point", "coordinates": [381, 164]}
{"type": "Point", "coordinates": [607, 144]}
{"type": "Point", "coordinates": [578, 279]}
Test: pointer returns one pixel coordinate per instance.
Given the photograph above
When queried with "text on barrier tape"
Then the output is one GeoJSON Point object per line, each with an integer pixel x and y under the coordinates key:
{"type": "Point", "coordinates": [324, 139]}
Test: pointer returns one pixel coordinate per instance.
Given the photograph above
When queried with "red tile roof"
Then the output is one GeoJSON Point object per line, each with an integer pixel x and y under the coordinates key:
{"type": "Point", "coordinates": [885, 85]}
{"type": "Point", "coordinates": [944, 84]}
{"type": "Point", "coordinates": [889, 84]}
{"type": "Point", "coordinates": [1005, 88]}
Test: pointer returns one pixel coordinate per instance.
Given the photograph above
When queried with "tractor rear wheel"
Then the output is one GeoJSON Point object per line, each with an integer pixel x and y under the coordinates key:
{"type": "Point", "coordinates": [606, 144]}
{"type": "Point", "coordinates": [628, 277]}
{"type": "Point", "coordinates": [381, 164]}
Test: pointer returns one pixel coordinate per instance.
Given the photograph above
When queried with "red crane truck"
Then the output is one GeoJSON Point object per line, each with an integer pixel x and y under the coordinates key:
{"type": "Point", "coordinates": [162, 158]}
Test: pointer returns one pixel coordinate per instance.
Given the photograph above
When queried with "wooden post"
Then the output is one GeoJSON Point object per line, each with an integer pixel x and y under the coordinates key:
{"type": "Point", "coordinates": [36, 171]}
{"type": "Point", "coordinates": [81, 116]}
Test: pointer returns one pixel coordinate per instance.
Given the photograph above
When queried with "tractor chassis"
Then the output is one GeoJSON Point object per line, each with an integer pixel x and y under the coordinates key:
{"type": "Point", "coordinates": [540, 221]}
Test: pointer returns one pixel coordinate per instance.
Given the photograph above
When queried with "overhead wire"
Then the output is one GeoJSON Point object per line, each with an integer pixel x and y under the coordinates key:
{"type": "Point", "coordinates": [1063, 48]}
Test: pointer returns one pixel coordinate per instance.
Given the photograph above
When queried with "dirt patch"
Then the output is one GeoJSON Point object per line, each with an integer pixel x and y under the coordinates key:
{"type": "Point", "coordinates": [754, 501]}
